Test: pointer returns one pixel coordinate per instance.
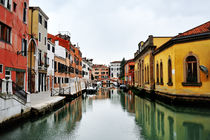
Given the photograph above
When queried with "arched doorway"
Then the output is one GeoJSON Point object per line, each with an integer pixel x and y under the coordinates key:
{"type": "Point", "coordinates": [31, 65]}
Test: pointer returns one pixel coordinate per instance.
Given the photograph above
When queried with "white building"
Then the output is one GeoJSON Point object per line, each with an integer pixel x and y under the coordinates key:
{"type": "Point", "coordinates": [86, 69]}
{"type": "Point", "coordinates": [50, 62]}
{"type": "Point", "coordinates": [115, 71]}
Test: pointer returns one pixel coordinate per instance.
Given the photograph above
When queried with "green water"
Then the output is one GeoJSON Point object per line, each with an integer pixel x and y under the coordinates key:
{"type": "Point", "coordinates": [114, 115]}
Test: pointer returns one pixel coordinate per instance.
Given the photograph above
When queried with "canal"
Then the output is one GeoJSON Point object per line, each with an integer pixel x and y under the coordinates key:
{"type": "Point", "coordinates": [114, 115]}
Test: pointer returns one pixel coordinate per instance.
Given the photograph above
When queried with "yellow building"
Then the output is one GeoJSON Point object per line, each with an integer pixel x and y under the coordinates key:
{"type": "Point", "coordinates": [144, 59]}
{"type": "Point", "coordinates": [175, 67]}
{"type": "Point", "coordinates": [181, 64]}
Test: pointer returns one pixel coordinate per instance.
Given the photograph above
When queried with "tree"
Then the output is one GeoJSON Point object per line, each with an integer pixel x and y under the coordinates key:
{"type": "Point", "coordinates": [122, 71]}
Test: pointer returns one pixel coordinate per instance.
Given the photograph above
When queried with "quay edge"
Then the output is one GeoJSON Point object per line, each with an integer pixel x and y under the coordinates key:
{"type": "Point", "coordinates": [173, 99]}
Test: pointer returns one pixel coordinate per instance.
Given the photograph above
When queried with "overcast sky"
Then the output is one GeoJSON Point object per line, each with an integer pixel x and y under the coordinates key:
{"type": "Point", "coordinates": [108, 30]}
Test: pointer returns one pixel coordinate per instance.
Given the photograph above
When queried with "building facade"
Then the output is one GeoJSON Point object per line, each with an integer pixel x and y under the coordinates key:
{"type": "Point", "coordinates": [100, 72]}
{"type": "Point", "coordinates": [182, 63]}
{"type": "Point", "coordinates": [50, 62]}
{"type": "Point", "coordinates": [13, 42]}
{"type": "Point", "coordinates": [175, 66]}
{"type": "Point", "coordinates": [129, 72]}
{"type": "Point", "coordinates": [115, 71]}
{"type": "Point", "coordinates": [38, 24]}
{"type": "Point", "coordinates": [144, 62]}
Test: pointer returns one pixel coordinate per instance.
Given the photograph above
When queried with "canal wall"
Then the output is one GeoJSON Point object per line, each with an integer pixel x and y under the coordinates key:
{"type": "Point", "coordinates": [173, 99]}
{"type": "Point", "coordinates": [12, 107]}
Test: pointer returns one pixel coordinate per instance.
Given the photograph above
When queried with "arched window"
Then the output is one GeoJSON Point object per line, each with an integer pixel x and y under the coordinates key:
{"type": "Point", "coordinates": [161, 73]}
{"type": "Point", "coordinates": [148, 74]}
{"type": "Point", "coordinates": [157, 73]}
{"type": "Point", "coordinates": [145, 71]}
{"type": "Point", "coordinates": [169, 72]}
{"type": "Point", "coordinates": [191, 69]}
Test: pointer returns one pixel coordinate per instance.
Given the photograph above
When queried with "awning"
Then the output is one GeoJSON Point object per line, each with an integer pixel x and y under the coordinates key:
{"type": "Point", "coordinates": [15, 69]}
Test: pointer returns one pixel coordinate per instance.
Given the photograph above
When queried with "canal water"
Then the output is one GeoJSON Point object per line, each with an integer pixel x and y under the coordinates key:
{"type": "Point", "coordinates": [115, 115]}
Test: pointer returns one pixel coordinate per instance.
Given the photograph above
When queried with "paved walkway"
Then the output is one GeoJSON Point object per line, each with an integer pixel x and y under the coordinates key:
{"type": "Point", "coordinates": [43, 99]}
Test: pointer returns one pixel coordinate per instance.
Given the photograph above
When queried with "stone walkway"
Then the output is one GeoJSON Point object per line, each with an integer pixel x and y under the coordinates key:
{"type": "Point", "coordinates": [43, 99]}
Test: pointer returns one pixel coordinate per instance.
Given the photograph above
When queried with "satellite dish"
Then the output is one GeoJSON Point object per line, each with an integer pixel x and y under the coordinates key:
{"type": "Point", "coordinates": [204, 69]}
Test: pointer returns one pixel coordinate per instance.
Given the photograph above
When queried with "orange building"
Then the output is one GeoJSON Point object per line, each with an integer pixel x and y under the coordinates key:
{"type": "Point", "coordinates": [68, 60]}
{"type": "Point", "coordinates": [129, 72]}
{"type": "Point", "coordinates": [100, 72]}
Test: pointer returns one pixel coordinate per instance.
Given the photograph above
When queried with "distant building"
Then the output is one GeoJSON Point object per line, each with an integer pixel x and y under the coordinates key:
{"type": "Point", "coordinates": [129, 72]}
{"type": "Point", "coordinates": [115, 71]}
{"type": "Point", "coordinates": [100, 72]}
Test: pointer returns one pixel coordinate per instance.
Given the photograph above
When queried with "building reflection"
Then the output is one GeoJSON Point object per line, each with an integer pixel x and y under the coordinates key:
{"type": "Point", "coordinates": [127, 101]}
{"type": "Point", "coordinates": [70, 114]}
{"type": "Point", "coordinates": [161, 122]}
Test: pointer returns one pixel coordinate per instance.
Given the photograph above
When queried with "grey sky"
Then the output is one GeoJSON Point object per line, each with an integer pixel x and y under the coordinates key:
{"type": "Point", "coordinates": [108, 30]}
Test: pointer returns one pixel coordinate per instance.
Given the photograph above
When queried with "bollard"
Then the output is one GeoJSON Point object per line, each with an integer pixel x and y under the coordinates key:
{"type": "Point", "coordinates": [10, 86]}
{"type": "Point", "coordinates": [4, 86]}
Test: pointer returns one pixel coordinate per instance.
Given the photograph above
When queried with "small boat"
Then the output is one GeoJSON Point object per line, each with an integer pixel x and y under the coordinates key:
{"type": "Point", "coordinates": [91, 90]}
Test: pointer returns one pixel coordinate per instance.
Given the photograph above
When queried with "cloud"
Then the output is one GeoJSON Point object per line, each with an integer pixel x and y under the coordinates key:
{"type": "Point", "coordinates": [109, 30]}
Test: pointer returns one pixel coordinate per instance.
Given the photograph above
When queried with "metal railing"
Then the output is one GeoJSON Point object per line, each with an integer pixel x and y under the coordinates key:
{"type": "Point", "coordinates": [19, 92]}
{"type": "Point", "coordinates": [1, 85]}
{"type": "Point", "coordinates": [60, 91]}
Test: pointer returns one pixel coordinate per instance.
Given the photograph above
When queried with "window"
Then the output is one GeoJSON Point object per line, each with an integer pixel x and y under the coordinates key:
{"type": "Point", "coordinates": [96, 72]}
{"type": "Point", "coordinates": [145, 70]}
{"type": "Point", "coordinates": [40, 58]}
{"type": "Point", "coordinates": [14, 6]}
{"type": "Point", "coordinates": [45, 41]}
{"type": "Point", "coordinates": [191, 69]}
{"type": "Point", "coordinates": [52, 63]}
{"type": "Point", "coordinates": [2, 2]}
{"type": "Point", "coordinates": [53, 49]}
{"type": "Point", "coordinates": [40, 36]}
{"type": "Point", "coordinates": [147, 74]}
{"type": "Point", "coordinates": [157, 73]}
{"type": "Point", "coordinates": [102, 72]}
{"type": "Point", "coordinates": [1, 68]}
{"type": "Point", "coordinates": [45, 24]}
{"type": "Point", "coordinates": [5, 32]}
{"type": "Point", "coordinates": [9, 4]}
{"type": "Point", "coordinates": [24, 47]}
{"type": "Point", "coordinates": [55, 66]}
{"type": "Point", "coordinates": [169, 72]}
{"type": "Point", "coordinates": [40, 19]}
{"type": "Point", "coordinates": [24, 12]}
{"type": "Point", "coordinates": [66, 54]}
{"type": "Point", "coordinates": [161, 73]}
{"type": "Point", "coordinates": [48, 47]}
{"type": "Point", "coordinates": [59, 80]}
{"type": "Point", "coordinates": [7, 74]}
{"type": "Point", "coordinates": [55, 80]}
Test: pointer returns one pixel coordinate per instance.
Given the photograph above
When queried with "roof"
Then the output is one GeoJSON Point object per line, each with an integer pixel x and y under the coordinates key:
{"type": "Point", "coordinates": [198, 33]}
{"type": "Point", "coordinates": [62, 42]}
{"type": "Point", "coordinates": [129, 61]}
{"type": "Point", "coordinates": [99, 66]}
{"type": "Point", "coordinates": [116, 62]}
{"type": "Point", "coordinates": [40, 10]}
{"type": "Point", "coordinates": [204, 28]}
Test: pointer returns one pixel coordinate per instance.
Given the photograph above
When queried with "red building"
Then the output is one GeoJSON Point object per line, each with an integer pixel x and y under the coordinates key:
{"type": "Point", "coordinates": [13, 41]}
{"type": "Point", "coordinates": [129, 72]}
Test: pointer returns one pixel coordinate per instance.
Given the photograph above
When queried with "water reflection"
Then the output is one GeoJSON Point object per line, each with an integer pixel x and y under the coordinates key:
{"type": "Point", "coordinates": [161, 122]}
{"type": "Point", "coordinates": [112, 114]}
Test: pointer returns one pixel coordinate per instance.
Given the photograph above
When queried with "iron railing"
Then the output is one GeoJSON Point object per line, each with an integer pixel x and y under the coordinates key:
{"type": "Point", "coordinates": [19, 92]}
{"type": "Point", "coordinates": [0, 85]}
{"type": "Point", "coordinates": [61, 91]}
